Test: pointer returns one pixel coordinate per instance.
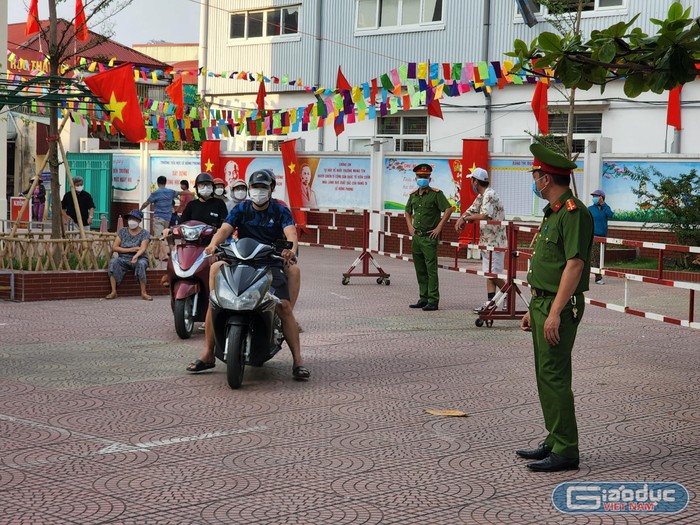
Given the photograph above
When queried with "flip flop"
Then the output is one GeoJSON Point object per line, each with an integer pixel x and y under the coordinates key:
{"type": "Point", "coordinates": [198, 366]}
{"type": "Point", "coordinates": [301, 372]}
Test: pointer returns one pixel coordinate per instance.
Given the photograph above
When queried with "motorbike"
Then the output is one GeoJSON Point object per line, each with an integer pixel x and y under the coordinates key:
{"type": "Point", "coordinates": [247, 329]}
{"type": "Point", "coordinates": [188, 273]}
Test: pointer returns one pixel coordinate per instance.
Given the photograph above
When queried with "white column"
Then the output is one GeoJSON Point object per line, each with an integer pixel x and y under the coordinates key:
{"type": "Point", "coordinates": [376, 189]}
{"type": "Point", "coordinates": [3, 120]}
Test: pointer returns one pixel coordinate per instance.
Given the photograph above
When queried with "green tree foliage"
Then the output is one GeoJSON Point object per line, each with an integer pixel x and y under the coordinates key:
{"type": "Point", "coordinates": [654, 63]}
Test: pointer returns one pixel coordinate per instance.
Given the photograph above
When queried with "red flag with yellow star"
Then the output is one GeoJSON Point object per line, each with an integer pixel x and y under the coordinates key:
{"type": "Point", "coordinates": [211, 153]}
{"type": "Point", "coordinates": [475, 154]}
{"type": "Point", "coordinates": [292, 178]}
{"type": "Point", "coordinates": [117, 89]}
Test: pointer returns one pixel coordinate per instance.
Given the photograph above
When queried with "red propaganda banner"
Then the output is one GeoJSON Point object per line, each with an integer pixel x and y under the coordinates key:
{"type": "Point", "coordinates": [293, 180]}
{"type": "Point", "coordinates": [210, 158]}
{"type": "Point", "coordinates": [475, 154]}
{"type": "Point", "coordinates": [117, 89]}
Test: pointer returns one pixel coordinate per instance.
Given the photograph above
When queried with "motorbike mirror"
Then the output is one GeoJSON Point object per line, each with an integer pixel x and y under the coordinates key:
{"type": "Point", "coordinates": [283, 244]}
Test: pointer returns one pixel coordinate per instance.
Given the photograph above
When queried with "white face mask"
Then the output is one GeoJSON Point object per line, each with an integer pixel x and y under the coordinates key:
{"type": "Point", "coordinates": [204, 191]}
{"type": "Point", "coordinates": [240, 194]}
{"type": "Point", "coordinates": [219, 191]}
{"type": "Point", "coordinates": [133, 224]}
{"type": "Point", "coordinates": [78, 188]}
{"type": "Point", "coordinates": [259, 196]}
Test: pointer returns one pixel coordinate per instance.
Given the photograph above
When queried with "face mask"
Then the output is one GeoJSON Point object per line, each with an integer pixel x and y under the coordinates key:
{"type": "Point", "coordinates": [535, 190]}
{"type": "Point", "coordinates": [78, 189]}
{"type": "Point", "coordinates": [596, 200]}
{"type": "Point", "coordinates": [423, 183]}
{"type": "Point", "coordinates": [219, 191]}
{"type": "Point", "coordinates": [259, 196]}
{"type": "Point", "coordinates": [204, 191]}
{"type": "Point", "coordinates": [240, 194]}
{"type": "Point", "coordinates": [133, 224]}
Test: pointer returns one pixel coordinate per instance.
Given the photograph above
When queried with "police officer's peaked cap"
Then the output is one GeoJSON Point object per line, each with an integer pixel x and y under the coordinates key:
{"type": "Point", "coordinates": [548, 161]}
{"type": "Point", "coordinates": [423, 169]}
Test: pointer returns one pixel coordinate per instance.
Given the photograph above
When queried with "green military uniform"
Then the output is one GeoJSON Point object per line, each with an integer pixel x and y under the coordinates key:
{"type": "Point", "coordinates": [566, 232]}
{"type": "Point", "coordinates": [426, 206]}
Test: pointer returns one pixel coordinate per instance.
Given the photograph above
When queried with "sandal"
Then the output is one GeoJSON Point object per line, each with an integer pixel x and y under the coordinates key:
{"type": "Point", "coordinates": [301, 372]}
{"type": "Point", "coordinates": [198, 366]}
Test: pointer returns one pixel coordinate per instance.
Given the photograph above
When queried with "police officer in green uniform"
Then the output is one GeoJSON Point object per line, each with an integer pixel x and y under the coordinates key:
{"type": "Point", "coordinates": [558, 277]}
{"type": "Point", "coordinates": [423, 210]}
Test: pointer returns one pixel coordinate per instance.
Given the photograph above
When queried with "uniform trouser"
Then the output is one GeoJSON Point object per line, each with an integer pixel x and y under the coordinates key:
{"type": "Point", "coordinates": [424, 253]}
{"type": "Point", "coordinates": [553, 372]}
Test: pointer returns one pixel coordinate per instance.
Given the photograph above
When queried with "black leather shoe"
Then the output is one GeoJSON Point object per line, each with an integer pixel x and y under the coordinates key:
{"type": "Point", "coordinates": [430, 307]}
{"type": "Point", "coordinates": [541, 452]}
{"type": "Point", "coordinates": [419, 304]}
{"type": "Point", "coordinates": [554, 463]}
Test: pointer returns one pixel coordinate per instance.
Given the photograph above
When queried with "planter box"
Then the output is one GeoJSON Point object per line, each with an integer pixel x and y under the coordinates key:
{"type": "Point", "coordinates": [49, 286]}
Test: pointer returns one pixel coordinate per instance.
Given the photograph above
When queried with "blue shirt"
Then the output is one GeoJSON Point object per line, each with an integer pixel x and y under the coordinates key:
{"type": "Point", "coordinates": [265, 226]}
{"type": "Point", "coordinates": [600, 219]}
{"type": "Point", "coordinates": [162, 200]}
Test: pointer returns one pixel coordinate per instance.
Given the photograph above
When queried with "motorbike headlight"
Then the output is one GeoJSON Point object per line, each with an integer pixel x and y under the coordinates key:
{"type": "Point", "coordinates": [225, 298]}
{"type": "Point", "coordinates": [191, 233]}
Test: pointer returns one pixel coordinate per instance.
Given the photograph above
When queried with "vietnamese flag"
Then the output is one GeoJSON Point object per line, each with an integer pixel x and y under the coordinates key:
{"type": "Point", "coordinates": [117, 89]}
{"type": "Point", "coordinates": [673, 115]}
{"type": "Point", "coordinates": [260, 100]}
{"type": "Point", "coordinates": [539, 106]}
{"type": "Point", "coordinates": [209, 159]}
{"type": "Point", "coordinates": [292, 177]}
{"type": "Point", "coordinates": [81, 30]}
{"type": "Point", "coordinates": [475, 154]}
{"type": "Point", "coordinates": [32, 19]}
{"type": "Point", "coordinates": [176, 94]}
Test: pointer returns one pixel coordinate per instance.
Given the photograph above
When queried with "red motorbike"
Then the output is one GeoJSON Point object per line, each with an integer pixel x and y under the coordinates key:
{"type": "Point", "coordinates": [188, 272]}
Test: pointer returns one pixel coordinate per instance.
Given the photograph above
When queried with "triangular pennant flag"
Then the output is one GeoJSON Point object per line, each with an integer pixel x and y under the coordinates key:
{"type": "Point", "coordinates": [342, 83]}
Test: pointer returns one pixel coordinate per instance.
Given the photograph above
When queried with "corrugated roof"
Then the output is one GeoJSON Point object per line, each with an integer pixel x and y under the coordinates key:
{"type": "Point", "coordinates": [28, 47]}
{"type": "Point", "coordinates": [191, 66]}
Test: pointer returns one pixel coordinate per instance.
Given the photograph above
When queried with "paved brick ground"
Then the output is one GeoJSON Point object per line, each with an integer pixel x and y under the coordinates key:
{"type": "Point", "coordinates": [99, 423]}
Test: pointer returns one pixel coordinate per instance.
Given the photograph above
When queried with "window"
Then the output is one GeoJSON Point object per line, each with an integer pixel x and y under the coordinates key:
{"type": "Point", "coordinates": [265, 24]}
{"type": "Point", "coordinates": [584, 123]}
{"type": "Point", "coordinates": [375, 14]}
{"type": "Point", "coordinates": [571, 6]}
{"type": "Point", "coordinates": [409, 133]}
{"type": "Point", "coordinates": [263, 144]}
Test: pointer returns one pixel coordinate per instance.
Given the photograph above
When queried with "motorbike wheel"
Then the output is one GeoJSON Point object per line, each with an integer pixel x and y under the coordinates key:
{"type": "Point", "coordinates": [235, 355]}
{"type": "Point", "coordinates": [184, 323]}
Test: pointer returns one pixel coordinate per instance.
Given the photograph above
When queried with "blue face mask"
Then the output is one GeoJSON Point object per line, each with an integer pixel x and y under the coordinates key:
{"type": "Point", "coordinates": [595, 200]}
{"type": "Point", "coordinates": [423, 183]}
{"type": "Point", "coordinates": [535, 190]}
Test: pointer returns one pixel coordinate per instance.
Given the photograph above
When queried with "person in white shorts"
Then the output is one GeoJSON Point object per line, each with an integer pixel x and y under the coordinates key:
{"type": "Point", "coordinates": [487, 207]}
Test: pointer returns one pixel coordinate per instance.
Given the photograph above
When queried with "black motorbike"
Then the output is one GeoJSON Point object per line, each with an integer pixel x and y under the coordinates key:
{"type": "Point", "coordinates": [247, 328]}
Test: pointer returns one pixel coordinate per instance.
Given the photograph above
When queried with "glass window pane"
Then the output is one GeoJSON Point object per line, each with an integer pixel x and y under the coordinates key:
{"type": "Point", "coordinates": [274, 25]}
{"type": "Point", "coordinates": [238, 26]}
{"type": "Point", "coordinates": [366, 14]}
{"type": "Point", "coordinates": [291, 20]}
{"type": "Point", "coordinates": [588, 123]}
{"type": "Point", "coordinates": [558, 123]}
{"type": "Point", "coordinates": [389, 126]}
{"type": "Point", "coordinates": [388, 13]}
{"type": "Point", "coordinates": [255, 24]}
{"type": "Point", "coordinates": [410, 12]}
{"type": "Point", "coordinates": [412, 145]}
{"type": "Point", "coordinates": [432, 10]}
{"type": "Point", "coordinates": [610, 3]}
{"type": "Point", "coordinates": [415, 125]}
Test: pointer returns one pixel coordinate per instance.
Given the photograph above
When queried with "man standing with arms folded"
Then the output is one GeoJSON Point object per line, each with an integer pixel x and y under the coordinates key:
{"type": "Point", "coordinates": [423, 210]}
{"type": "Point", "coordinates": [558, 277]}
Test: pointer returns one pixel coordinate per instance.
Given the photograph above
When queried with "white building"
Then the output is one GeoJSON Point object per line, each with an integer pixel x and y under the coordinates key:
{"type": "Point", "coordinates": [309, 39]}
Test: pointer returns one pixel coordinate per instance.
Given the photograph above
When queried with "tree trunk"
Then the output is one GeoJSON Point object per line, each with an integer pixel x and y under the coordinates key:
{"type": "Point", "coordinates": [54, 63]}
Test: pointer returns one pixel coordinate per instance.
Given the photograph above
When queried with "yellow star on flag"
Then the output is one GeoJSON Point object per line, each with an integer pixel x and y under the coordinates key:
{"type": "Point", "coordinates": [471, 170]}
{"type": "Point", "coordinates": [209, 165]}
{"type": "Point", "coordinates": [115, 108]}
{"type": "Point", "coordinates": [292, 167]}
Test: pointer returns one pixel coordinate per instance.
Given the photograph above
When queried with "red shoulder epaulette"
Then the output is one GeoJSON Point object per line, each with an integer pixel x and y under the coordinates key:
{"type": "Point", "coordinates": [570, 205]}
{"type": "Point", "coordinates": [414, 191]}
{"type": "Point", "coordinates": [556, 206]}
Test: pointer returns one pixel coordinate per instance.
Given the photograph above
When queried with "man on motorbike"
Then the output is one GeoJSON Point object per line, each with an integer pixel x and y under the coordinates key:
{"type": "Point", "coordinates": [264, 220]}
{"type": "Point", "coordinates": [205, 208]}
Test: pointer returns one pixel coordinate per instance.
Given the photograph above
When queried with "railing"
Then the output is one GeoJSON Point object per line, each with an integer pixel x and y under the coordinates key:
{"type": "Point", "coordinates": [36, 251]}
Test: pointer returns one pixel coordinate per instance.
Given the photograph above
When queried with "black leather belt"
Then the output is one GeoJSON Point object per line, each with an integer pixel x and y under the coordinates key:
{"type": "Point", "coordinates": [536, 292]}
{"type": "Point", "coordinates": [421, 234]}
